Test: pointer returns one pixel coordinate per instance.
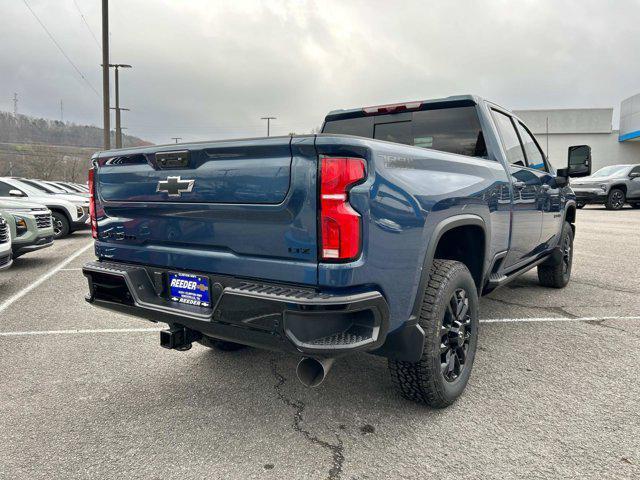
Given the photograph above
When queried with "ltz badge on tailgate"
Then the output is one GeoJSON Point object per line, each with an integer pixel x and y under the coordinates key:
{"type": "Point", "coordinates": [175, 186]}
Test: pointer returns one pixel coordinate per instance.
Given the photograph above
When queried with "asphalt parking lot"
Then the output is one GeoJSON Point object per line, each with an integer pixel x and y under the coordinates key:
{"type": "Point", "coordinates": [555, 390]}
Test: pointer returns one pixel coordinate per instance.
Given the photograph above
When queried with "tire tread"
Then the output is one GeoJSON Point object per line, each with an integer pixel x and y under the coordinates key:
{"type": "Point", "coordinates": [417, 381]}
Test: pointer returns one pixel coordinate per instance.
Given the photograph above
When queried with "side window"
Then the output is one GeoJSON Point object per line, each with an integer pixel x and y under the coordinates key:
{"type": "Point", "coordinates": [635, 170]}
{"type": "Point", "coordinates": [5, 188]}
{"type": "Point", "coordinates": [509, 137]}
{"type": "Point", "coordinates": [535, 158]}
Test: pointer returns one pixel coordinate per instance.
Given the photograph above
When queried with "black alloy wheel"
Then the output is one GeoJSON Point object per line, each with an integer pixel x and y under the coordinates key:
{"type": "Point", "coordinates": [455, 335]}
{"type": "Point", "coordinates": [555, 272]}
{"type": "Point", "coordinates": [616, 199]}
{"type": "Point", "coordinates": [449, 319]}
{"type": "Point", "coordinates": [567, 255]}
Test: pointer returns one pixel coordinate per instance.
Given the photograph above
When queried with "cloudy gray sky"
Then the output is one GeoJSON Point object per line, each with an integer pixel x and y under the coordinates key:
{"type": "Point", "coordinates": [210, 69]}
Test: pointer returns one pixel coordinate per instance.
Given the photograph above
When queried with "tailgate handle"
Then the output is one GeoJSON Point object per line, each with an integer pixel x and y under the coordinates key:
{"type": "Point", "coordinates": [176, 159]}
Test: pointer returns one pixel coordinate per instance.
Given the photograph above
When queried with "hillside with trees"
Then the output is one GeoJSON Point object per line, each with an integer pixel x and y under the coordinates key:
{"type": "Point", "coordinates": [50, 149]}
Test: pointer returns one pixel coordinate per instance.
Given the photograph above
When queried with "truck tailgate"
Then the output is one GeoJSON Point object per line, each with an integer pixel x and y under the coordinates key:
{"type": "Point", "coordinates": [242, 208]}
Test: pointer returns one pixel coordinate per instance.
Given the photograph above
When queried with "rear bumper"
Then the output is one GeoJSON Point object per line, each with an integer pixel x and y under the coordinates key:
{"type": "Point", "coordinates": [266, 315]}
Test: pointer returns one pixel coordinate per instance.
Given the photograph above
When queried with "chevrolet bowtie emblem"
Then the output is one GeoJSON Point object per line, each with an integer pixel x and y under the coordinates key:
{"type": "Point", "coordinates": [175, 186]}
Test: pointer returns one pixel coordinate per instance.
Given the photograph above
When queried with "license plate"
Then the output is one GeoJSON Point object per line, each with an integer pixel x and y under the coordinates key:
{"type": "Point", "coordinates": [189, 289]}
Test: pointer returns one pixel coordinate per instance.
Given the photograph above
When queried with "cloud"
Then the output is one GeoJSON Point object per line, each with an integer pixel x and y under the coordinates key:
{"type": "Point", "coordinates": [208, 70]}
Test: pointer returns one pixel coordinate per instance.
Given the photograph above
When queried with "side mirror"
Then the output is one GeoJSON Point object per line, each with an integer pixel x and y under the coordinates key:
{"type": "Point", "coordinates": [16, 193]}
{"type": "Point", "coordinates": [579, 161]}
{"type": "Point", "coordinates": [634, 175]}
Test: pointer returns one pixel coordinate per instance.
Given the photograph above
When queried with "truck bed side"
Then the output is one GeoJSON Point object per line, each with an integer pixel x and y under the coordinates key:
{"type": "Point", "coordinates": [409, 192]}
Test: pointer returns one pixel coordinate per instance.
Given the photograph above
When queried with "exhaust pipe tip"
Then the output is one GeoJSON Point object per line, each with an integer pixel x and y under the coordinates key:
{"type": "Point", "coordinates": [312, 371]}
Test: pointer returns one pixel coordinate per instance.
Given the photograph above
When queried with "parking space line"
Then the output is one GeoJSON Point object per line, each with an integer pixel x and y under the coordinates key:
{"type": "Point", "coordinates": [159, 328]}
{"type": "Point", "coordinates": [79, 331]}
{"type": "Point", "coordinates": [555, 319]}
{"type": "Point", "coordinates": [43, 278]}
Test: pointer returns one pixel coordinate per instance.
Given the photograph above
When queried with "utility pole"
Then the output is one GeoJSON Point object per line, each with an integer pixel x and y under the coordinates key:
{"type": "Point", "coordinates": [61, 112]}
{"type": "Point", "coordinates": [268, 119]}
{"type": "Point", "coordinates": [117, 67]}
{"type": "Point", "coordinates": [119, 127]}
{"type": "Point", "coordinates": [547, 138]}
{"type": "Point", "coordinates": [176, 138]}
{"type": "Point", "coordinates": [106, 120]}
{"type": "Point", "coordinates": [15, 104]}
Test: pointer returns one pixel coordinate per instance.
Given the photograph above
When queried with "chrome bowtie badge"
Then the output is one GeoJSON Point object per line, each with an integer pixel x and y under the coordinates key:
{"type": "Point", "coordinates": [175, 186]}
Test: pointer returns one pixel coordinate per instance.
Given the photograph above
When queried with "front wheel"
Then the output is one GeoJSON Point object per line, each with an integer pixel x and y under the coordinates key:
{"type": "Point", "coordinates": [449, 318]}
{"type": "Point", "coordinates": [557, 275]}
{"type": "Point", "coordinates": [61, 225]}
{"type": "Point", "coordinates": [615, 199]}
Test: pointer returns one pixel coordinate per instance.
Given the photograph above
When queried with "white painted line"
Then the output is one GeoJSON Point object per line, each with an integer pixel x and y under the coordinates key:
{"type": "Point", "coordinates": [80, 331]}
{"type": "Point", "coordinates": [159, 328]}
{"type": "Point", "coordinates": [43, 278]}
{"type": "Point", "coordinates": [554, 319]}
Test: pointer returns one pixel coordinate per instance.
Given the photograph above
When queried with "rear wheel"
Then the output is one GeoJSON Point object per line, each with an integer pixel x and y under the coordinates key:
{"type": "Point", "coordinates": [615, 199]}
{"type": "Point", "coordinates": [449, 318]}
{"type": "Point", "coordinates": [222, 345]}
{"type": "Point", "coordinates": [61, 225]}
{"type": "Point", "coordinates": [558, 274]}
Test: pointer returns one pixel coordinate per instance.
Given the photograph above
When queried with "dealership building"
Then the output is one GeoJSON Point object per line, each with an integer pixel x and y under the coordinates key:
{"type": "Point", "coordinates": [557, 130]}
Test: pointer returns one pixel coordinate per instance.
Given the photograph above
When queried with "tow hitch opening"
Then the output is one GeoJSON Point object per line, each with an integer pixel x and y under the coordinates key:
{"type": "Point", "coordinates": [178, 338]}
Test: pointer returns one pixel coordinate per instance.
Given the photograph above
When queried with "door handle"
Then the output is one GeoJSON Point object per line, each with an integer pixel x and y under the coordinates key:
{"type": "Point", "coordinates": [519, 185]}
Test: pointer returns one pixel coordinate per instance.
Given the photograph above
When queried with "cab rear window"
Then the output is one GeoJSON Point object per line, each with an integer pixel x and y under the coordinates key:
{"type": "Point", "coordinates": [454, 130]}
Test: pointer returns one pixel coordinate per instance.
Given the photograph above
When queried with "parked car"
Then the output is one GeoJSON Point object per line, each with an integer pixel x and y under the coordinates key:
{"type": "Point", "coordinates": [5, 245]}
{"type": "Point", "coordinates": [69, 212]}
{"type": "Point", "coordinates": [30, 224]}
{"type": "Point", "coordinates": [70, 188]}
{"type": "Point", "coordinates": [324, 245]}
{"type": "Point", "coordinates": [57, 186]}
{"type": "Point", "coordinates": [612, 186]}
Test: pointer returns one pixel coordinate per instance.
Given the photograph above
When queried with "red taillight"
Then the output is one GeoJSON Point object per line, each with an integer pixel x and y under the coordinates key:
{"type": "Point", "coordinates": [340, 224]}
{"type": "Point", "coordinates": [393, 108]}
{"type": "Point", "coordinates": [92, 205]}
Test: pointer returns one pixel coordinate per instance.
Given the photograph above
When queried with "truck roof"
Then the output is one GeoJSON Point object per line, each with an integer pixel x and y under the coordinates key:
{"type": "Point", "coordinates": [353, 112]}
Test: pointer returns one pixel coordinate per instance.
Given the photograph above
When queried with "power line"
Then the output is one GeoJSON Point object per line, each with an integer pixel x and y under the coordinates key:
{"type": "Point", "coordinates": [95, 39]}
{"type": "Point", "coordinates": [60, 48]}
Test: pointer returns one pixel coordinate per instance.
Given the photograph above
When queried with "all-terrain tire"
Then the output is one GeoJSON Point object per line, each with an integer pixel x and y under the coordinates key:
{"type": "Point", "coordinates": [615, 199]}
{"type": "Point", "coordinates": [426, 381]}
{"type": "Point", "coordinates": [558, 274]}
{"type": "Point", "coordinates": [222, 345]}
{"type": "Point", "coordinates": [61, 226]}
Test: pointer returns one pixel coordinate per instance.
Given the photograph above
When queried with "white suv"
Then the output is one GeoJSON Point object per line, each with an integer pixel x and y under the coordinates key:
{"type": "Point", "coordinates": [5, 245]}
{"type": "Point", "coordinates": [69, 212]}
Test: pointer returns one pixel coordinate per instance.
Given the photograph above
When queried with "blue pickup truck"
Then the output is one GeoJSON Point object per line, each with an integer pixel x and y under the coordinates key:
{"type": "Point", "coordinates": [377, 235]}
